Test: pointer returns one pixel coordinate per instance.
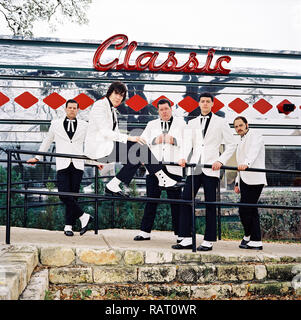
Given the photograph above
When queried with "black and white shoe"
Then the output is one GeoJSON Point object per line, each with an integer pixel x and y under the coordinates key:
{"type": "Point", "coordinates": [68, 233]}
{"type": "Point", "coordinates": [85, 228]}
{"type": "Point", "coordinates": [203, 248]}
{"type": "Point", "coordinates": [140, 238]}
{"type": "Point", "coordinates": [115, 194]}
{"type": "Point", "coordinates": [251, 247]}
{"type": "Point", "coordinates": [178, 246]}
{"type": "Point", "coordinates": [166, 182]}
{"type": "Point", "coordinates": [243, 244]}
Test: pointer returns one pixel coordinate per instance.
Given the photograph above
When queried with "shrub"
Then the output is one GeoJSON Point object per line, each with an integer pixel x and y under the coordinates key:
{"type": "Point", "coordinates": [281, 223]}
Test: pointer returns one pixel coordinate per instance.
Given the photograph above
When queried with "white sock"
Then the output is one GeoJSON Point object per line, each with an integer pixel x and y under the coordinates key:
{"type": "Point", "coordinates": [255, 244]}
{"type": "Point", "coordinates": [113, 185]}
{"type": "Point", "coordinates": [207, 244]}
{"type": "Point", "coordinates": [180, 238]}
{"type": "Point", "coordinates": [186, 242]}
{"type": "Point", "coordinates": [144, 234]}
{"type": "Point", "coordinates": [84, 218]}
{"type": "Point", "coordinates": [247, 238]}
{"type": "Point", "coordinates": [68, 228]}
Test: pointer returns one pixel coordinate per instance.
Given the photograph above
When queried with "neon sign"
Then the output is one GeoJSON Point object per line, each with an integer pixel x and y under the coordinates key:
{"type": "Point", "coordinates": [148, 59]}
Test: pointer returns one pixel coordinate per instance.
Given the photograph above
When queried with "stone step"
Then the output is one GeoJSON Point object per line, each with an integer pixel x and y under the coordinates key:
{"type": "Point", "coordinates": [185, 274]}
{"type": "Point", "coordinates": [196, 275]}
{"type": "Point", "coordinates": [16, 266]}
{"type": "Point", "coordinates": [37, 286]}
{"type": "Point", "coordinates": [208, 291]}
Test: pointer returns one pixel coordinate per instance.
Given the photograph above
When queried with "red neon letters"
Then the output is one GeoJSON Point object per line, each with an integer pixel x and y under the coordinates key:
{"type": "Point", "coordinates": [147, 60]}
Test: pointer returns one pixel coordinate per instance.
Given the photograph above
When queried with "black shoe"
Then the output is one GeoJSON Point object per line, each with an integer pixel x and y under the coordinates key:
{"type": "Point", "coordinates": [116, 194]}
{"type": "Point", "coordinates": [140, 238]}
{"type": "Point", "coordinates": [68, 233]}
{"type": "Point", "coordinates": [203, 248]}
{"type": "Point", "coordinates": [250, 247]}
{"type": "Point", "coordinates": [180, 247]}
{"type": "Point", "coordinates": [243, 244]}
{"type": "Point", "coordinates": [84, 229]}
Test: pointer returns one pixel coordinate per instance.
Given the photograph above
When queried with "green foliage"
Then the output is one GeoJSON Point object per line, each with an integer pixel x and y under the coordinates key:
{"type": "Point", "coordinates": [51, 217]}
{"type": "Point", "coordinates": [281, 223]}
{"type": "Point", "coordinates": [17, 215]}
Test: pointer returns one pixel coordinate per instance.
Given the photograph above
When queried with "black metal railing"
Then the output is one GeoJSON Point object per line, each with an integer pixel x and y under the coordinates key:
{"type": "Point", "coordinates": [96, 196]}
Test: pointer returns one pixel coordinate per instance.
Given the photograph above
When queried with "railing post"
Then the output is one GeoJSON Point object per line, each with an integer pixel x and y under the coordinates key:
{"type": "Point", "coordinates": [193, 212]}
{"type": "Point", "coordinates": [96, 200]}
{"type": "Point", "coordinates": [25, 206]}
{"type": "Point", "coordinates": [8, 195]}
{"type": "Point", "coordinates": [219, 223]}
{"type": "Point", "coordinates": [113, 214]}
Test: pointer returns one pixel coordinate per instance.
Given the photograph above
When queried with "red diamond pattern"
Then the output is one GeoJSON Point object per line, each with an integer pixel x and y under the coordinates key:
{"type": "Point", "coordinates": [280, 106]}
{"type": "Point", "coordinates": [136, 102]}
{"type": "Point", "coordinates": [3, 99]}
{"type": "Point", "coordinates": [84, 101]}
{"type": "Point", "coordinates": [262, 106]}
{"type": "Point", "coordinates": [26, 100]}
{"type": "Point", "coordinates": [238, 105]}
{"type": "Point", "coordinates": [54, 100]}
{"type": "Point", "coordinates": [155, 103]}
{"type": "Point", "coordinates": [217, 105]}
{"type": "Point", "coordinates": [188, 104]}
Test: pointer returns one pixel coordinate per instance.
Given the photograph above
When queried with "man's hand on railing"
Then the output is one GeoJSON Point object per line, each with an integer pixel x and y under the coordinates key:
{"type": "Point", "coordinates": [216, 165]}
{"type": "Point", "coordinates": [32, 161]}
{"type": "Point", "coordinates": [182, 163]}
{"type": "Point", "coordinates": [100, 167]}
{"type": "Point", "coordinates": [242, 167]}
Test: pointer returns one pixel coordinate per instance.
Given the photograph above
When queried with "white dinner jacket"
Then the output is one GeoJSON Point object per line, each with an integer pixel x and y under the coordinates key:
{"type": "Point", "coordinates": [166, 152]}
{"type": "Point", "coordinates": [100, 134]}
{"type": "Point", "coordinates": [63, 144]}
{"type": "Point", "coordinates": [251, 151]}
{"type": "Point", "coordinates": [206, 150]}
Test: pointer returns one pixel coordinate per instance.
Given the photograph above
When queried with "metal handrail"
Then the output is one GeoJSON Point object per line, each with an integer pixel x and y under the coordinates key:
{"type": "Point", "coordinates": [97, 197]}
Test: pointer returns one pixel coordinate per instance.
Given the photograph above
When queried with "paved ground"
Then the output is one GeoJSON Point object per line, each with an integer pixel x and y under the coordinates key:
{"type": "Point", "coordinates": [123, 239]}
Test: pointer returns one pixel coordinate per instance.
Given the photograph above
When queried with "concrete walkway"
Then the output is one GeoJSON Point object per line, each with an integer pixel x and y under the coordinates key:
{"type": "Point", "coordinates": [123, 239]}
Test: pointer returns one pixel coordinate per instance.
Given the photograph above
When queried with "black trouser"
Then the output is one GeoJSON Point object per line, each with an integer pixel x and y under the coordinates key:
{"type": "Point", "coordinates": [249, 215]}
{"type": "Point", "coordinates": [185, 220]}
{"type": "Point", "coordinates": [68, 180]}
{"type": "Point", "coordinates": [132, 155]}
{"type": "Point", "coordinates": [154, 191]}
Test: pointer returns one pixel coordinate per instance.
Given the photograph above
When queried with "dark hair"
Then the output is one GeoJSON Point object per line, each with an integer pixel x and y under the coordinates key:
{"type": "Point", "coordinates": [162, 101]}
{"type": "Point", "coordinates": [72, 101]}
{"type": "Point", "coordinates": [241, 118]}
{"type": "Point", "coordinates": [119, 88]}
{"type": "Point", "coordinates": [206, 95]}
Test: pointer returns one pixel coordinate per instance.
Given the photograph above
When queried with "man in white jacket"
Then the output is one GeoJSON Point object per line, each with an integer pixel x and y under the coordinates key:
{"type": "Point", "coordinates": [69, 135]}
{"type": "Point", "coordinates": [209, 132]}
{"type": "Point", "coordinates": [104, 142]}
{"type": "Point", "coordinates": [250, 153]}
{"type": "Point", "coordinates": [165, 136]}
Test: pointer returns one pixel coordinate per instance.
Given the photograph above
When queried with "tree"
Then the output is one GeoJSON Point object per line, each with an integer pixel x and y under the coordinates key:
{"type": "Point", "coordinates": [20, 15]}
